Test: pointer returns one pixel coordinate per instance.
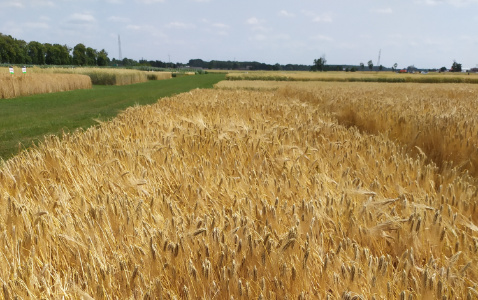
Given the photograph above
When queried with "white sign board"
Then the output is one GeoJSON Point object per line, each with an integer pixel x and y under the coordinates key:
{"type": "Point", "coordinates": [24, 70]}
{"type": "Point", "coordinates": [11, 70]}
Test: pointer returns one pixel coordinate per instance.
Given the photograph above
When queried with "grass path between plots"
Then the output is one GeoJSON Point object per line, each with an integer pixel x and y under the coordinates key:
{"type": "Point", "coordinates": [26, 120]}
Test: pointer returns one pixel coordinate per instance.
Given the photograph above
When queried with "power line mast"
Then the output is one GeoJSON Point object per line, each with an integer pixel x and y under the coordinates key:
{"type": "Point", "coordinates": [119, 48]}
{"type": "Point", "coordinates": [379, 54]}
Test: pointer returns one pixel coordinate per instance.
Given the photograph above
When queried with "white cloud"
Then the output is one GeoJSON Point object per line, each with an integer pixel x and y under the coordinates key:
{"type": "Point", "coordinates": [316, 18]}
{"type": "Point", "coordinates": [222, 32]}
{"type": "Point", "coordinates": [14, 4]}
{"type": "Point", "coordinates": [215, 27]}
{"type": "Point", "coordinates": [254, 21]}
{"type": "Point", "coordinates": [215, 24]}
{"type": "Point", "coordinates": [256, 24]}
{"type": "Point", "coordinates": [220, 25]}
{"type": "Point", "coordinates": [134, 27]}
{"type": "Point", "coordinates": [285, 13]}
{"type": "Point", "coordinates": [79, 21]}
{"type": "Point", "coordinates": [36, 25]}
{"type": "Point", "coordinates": [180, 25]}
{"type": "Point", "coordinates": [282, 36]}
{"type": "Point", "coordinates": [118, 19]}
{"type": "Point", "coordinates": [270, 38]}
{"type": "Point", "coordinates": [458, 3]}
{"type": "Point", "coordinates": [150, 1]}
{"type": "Point", "coordinates": [324, 18]}
{"type": "Point", "coordinates": [222, 28]}
{"type": "Point", "coordinates": [11, 28]}
{"type": "Point", "coordinates": [259, 37]}
{"type": "Point", "coordinates": [149, 30]}
{"type": "Point", "coordinates": [27, 3]}
{"type": "Point", "coordinates": [387, 10]}
{"type": "Point", "coordinates": [468, 38]}
{"type": "Point", "coordinates": [43, 3]}
{"type": "Point", "coordinates": [321, 37]}
{"type": "Point", "coordinates": [78, 18]}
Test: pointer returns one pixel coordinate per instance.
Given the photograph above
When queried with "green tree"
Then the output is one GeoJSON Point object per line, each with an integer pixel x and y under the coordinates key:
{"type": "Point", "coordinates": [36, 52]}
{"type": "Point", "coordinates": [395, 65]}
{"type": "Point", "coordinates": [319, 64]}
{"type": "Point", "coordinates": [57, 54]}
{"type": "Point", "coordinates": [456, 67]}
{"type": "Point", "coordinates": [411, 69]}
{"type": "Point", "coordinates": [13, 51]}
{"type": "Point", "coordinates": [21, 56]}
{"type": "Point", "coordinates": [370, 65]}
{"type": "Point", "coordinates": [51, 55]}
{"type": "Point", "coordinates": [91, 55]}
{"type": "Point", "coordinates": [79, 55]}
{"type": "Point", "coordinates": [127, 62]}
{"type": "Point", "coordinates": [8, 51]}
{"type": "Point", "coordinates": [64, 54]}
{"type": "Point", "coordinates": [102, 58]}
{"type": "Point", "coordinates": [362, 66]}
{"type": "Point", "coordinates": [4, 49]}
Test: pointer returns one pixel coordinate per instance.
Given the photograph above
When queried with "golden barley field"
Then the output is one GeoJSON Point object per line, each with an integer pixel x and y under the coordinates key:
{"type": "Point", "coordinates": [237, 194]}
{"type": "Point", "coordinates": [48, 80]}
{"type": "Point", "coordinates": [19, 84]}
{"type": "Point", "coordinates": [362, 76]}
{"type": "Point", "coordinates": [435, 120]}
{"type": "Point", "coordinates": [106, 76]}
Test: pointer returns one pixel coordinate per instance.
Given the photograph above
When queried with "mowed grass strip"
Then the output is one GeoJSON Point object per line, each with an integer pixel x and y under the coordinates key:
{"type": "Point", "coordinates": [26, 120]}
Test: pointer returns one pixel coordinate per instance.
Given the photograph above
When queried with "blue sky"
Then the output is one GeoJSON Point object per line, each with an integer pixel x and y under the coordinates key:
{"type": "Point", "coordinates": [424, 33]}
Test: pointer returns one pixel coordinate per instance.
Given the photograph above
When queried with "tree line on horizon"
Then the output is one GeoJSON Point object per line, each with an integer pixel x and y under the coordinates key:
{"type": "Point", "coordinates": [16, 51]}
{"type": "Point", "coordinates": [245, 65]}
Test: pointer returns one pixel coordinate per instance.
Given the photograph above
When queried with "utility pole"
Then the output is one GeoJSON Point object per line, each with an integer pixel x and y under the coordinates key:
{"type": "Point", "coordinates": [379, 54]}
{"type": "Point", "coordinates": [119, 48]}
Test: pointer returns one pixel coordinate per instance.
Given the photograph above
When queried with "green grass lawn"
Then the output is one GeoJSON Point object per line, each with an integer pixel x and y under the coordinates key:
{"type": "Point", "coordinates": [25, 120]}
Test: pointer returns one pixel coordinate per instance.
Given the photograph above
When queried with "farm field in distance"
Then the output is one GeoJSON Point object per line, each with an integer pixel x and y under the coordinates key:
{"type": "Point", "coordinates": [363, 76]}
{"type": "Point", "coordinates": [253, 190]}
{"type": "Point", "coordinates": [49, 80]}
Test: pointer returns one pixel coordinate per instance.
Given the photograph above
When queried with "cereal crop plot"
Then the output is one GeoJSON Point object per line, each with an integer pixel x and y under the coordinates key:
{"type": "Point", "coordinates": [435, 120]}
{"type": "Point", "coordinates": [12, 86]}
{"type": "Point", "coordinates": [390, 77]}
{"type": "Point", "coordinates": [218, 194]}
{"type": "Point", "coordinates": [105, 76]}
